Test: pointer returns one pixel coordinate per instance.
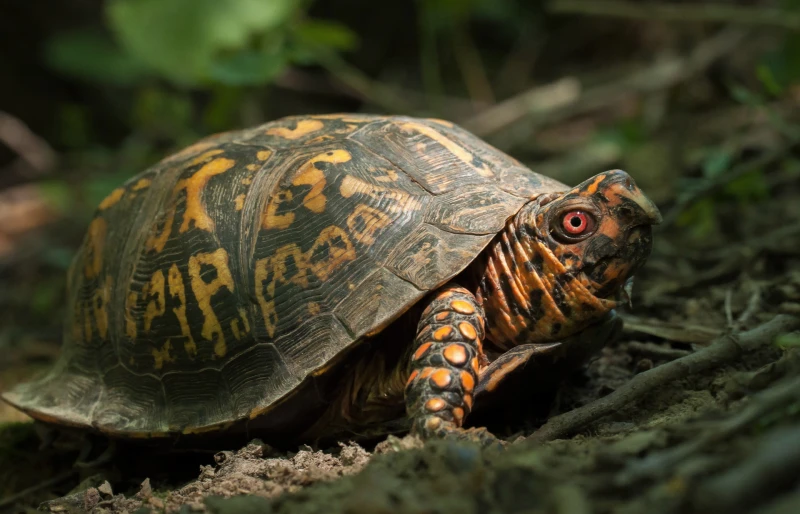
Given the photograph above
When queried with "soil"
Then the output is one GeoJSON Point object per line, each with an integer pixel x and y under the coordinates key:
{"type": "Point", "coordinates": [694, 409]}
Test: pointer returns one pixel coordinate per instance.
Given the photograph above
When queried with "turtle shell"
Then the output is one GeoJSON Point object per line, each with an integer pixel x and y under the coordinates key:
{"type": "Point", "coordinates": [212, 285]}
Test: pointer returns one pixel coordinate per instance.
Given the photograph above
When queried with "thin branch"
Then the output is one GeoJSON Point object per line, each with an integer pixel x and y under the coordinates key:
{"type": "Point", "coordinates": [11, 500]}
{"type": "Point", "coordinates": [369, 89]}
{"type": "Point", "coordinates": [724, 350]}
{"type": "Point", "coordinates": [565, 98]}
{"type": "Point", "coordinates": [723, 179]}
{"type": "Point", "coordinates": [32, 149]}
{"type": "Point", "coordinates": [663, 11]}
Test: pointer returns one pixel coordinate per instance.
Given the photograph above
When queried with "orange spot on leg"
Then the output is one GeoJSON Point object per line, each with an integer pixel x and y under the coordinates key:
{"type": "Point", "coordinates": [423, 348]}
{"type": "Point", "coordinates": [443, 332]}
{"type": "Point", "coordinates": [458, 415]}
{"type": "Point", "coordinates": [441, 378]}
{"type": "Point", "coordinates": [455, 354]}
{"type": "Point", "coordinates": [412, 377]}
{"type": "Point", "coordinates": [433, 423]}
{"type": "Point", "coordinates": [467, 381]}
{"type": "Point", "coordinates": [462, 307]}
{"type": "Point", "coordinates": [435, 404]}
{"type": "Point", "coordinates": [467, 330]}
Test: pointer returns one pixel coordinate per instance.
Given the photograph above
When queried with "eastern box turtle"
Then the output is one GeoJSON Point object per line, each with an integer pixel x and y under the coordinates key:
{"type": "Point", "coordinates": [333, 274]}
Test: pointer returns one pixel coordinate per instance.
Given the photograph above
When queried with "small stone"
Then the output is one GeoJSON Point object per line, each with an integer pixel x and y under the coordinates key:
{"type": "Point", "coordinates": [156, 502]}
{"type": "Point", "coordinates": [145, 490]}
{"type": "Point", "coordinates": [105, 489]}
{"type": "Point", "coordinates": [91, 497]}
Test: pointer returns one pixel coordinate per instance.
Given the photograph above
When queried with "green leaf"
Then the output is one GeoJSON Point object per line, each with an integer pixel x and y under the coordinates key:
{"type": "Point", "coordinates": [717, 162]}
{"type": "Point", "coordinates": [700, 219]}
{"type": "Point", "coordinates": [91, 56]}
{"type": "Point", "coordinates": [182, 39]}
{"type": "Point", "coordinates": [749, 188]}
{"type": "Point", "coordinates": [248, 68]}
{"type": "Point", "coordinates": [791, 340]}
{"type": "Point", "coordinates": [328, 34]}
{"type": "Point", "coordinates": [162, 113]}
{"type": "Point", "coordinates": [766, 75]}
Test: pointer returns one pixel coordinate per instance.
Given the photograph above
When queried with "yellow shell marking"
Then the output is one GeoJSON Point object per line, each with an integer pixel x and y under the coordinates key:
{"type": "Point", "coordinates": [177, 290]}
{"type": "Point", "coordinates": [263, 155]}
{"type": "Point", "coordinates": [450, 145]}
{"type": "Point", "coordinates": [371, 220]}
{"type": "Point", "coordinates": [304, 127]}
{"type": "Point", "coordinates": [394, 200]}
{"type": "Point", "coordinates": [389, 175]}
{"type": "Point", "coordinates": [111, 199]}
{"type": "Point", "coordinates": [310, 175]}
{"type": "Point", "coordinates": [161, 356]}
{"type": "Point", "coordinates": [238, 333]}
{"type": "Point", "coordinates": [130, 321]}
{"type": "Point", "coordinates": [156, 306]}
{"type": "Point", "coordinates": [142, 184]}
{"type": "Point", "coordinates": [271, 271]}
{"type": "Point", "coordinates": [195, 210]}
{"type": "Point", "coordinates": [100, 300]}
{"type": "Point", "coordinates": [95, 242]}
{"type": "Point", "coordinates": [204, 291]}
{"type": "Point", "coordinates": [271, 218]}
{"type": "Point", "coordinates": [314, 200]}
{"type": "Point", "coordinates": [190, 151]}
{"type": "Point", "coordinates": [238, 202]}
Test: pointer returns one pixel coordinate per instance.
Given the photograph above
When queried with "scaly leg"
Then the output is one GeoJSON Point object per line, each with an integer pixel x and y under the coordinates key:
{"type": "Point", "coordinates": [445, 365]}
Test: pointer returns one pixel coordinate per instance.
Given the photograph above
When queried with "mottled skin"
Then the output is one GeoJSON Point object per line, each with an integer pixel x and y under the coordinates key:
{"type": "Point", "coordinates": [337, 274]}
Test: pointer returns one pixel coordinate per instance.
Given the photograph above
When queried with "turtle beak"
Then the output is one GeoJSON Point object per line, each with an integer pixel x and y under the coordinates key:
{"type": "Point", "coordinates": [626, 293]}
{"type": "Point", "coordinates": [648, 213]}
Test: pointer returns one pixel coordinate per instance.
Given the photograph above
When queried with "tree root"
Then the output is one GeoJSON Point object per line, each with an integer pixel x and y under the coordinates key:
{"type": "Point", "coordinates": [722, 351]}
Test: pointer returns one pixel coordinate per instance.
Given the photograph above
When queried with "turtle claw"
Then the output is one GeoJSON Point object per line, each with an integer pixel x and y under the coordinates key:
{"type": "Point", "coordinates": [104, 458]}
{"type": "Point", "coordinates": [476, 435]}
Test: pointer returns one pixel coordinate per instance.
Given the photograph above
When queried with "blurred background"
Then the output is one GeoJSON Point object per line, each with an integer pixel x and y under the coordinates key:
{"type": "Point", "coordinates": [698, 101]}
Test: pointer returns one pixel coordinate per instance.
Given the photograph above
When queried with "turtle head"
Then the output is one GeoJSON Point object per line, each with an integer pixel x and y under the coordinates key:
{"type": "Point", "coordinates": [600, 231]}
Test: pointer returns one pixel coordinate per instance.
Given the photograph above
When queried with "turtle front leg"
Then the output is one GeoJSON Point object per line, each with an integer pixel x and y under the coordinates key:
{"type": "Point", "coordinates": [444, 366]}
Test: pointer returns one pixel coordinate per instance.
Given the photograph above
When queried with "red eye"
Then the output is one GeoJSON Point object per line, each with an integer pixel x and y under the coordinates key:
{"type": "Point", "coordinates": [575, 222]}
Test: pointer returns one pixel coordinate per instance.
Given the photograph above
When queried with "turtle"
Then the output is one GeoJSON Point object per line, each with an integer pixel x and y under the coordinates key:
{"type": "Point", "coordinates": [334, 275]}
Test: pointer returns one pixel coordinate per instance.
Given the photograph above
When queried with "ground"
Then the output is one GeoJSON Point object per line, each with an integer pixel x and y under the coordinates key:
{"type": "Point", "coordinates": [697, 412]}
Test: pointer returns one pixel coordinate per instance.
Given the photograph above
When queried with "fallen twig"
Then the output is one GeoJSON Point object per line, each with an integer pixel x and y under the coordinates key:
{"type": "Point", "coordinates": [662, 11]}
{"type": "Point", "coordinates": [11, 500]}
{"type": "Point", "coordinates": [681, 333]}
{"type": "Point", "coordinates": [661, 464]}
{"type": "Point", "coordinates": [775, 466]}
{"type": "Point", "coordinates": [654, 351]}
{"type": "Point", "coordinates": [723, 179]}
{"type": "Point", "coordinates": [564, 98]}
{"type": "Point", "coordinates": [725, 349]}
{"type": "Point", "coordinates": [33, 150]}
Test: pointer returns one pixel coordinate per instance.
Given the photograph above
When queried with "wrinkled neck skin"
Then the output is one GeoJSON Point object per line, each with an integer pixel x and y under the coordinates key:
{"type": "Point", "coordinates": [527, 294]}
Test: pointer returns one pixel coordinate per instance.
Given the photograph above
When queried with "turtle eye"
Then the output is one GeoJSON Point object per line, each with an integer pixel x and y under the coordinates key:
{"type": "Point", "coordinates": [575, 225]}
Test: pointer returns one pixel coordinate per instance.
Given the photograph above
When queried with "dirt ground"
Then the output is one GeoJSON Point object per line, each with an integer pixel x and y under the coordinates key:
{"type": "Point", "coordinates": [694, 411]}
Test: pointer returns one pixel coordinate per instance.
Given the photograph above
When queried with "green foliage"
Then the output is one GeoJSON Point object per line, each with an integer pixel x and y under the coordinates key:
{"type": "Point", "coordinates": [788, 341]}
{"type": "Point", "coordinates": [700, 217]}
{"type": "Point", "coordinates": [197, 43]}
{"type": "Point", "coordinates": [91, 56]}
{"type": "Point", "coordinates": [183, 40]}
